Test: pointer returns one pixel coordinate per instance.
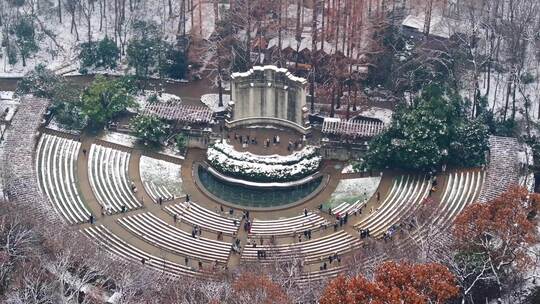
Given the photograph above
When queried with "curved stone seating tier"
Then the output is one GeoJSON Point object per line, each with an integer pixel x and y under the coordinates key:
{"type": "Point", "coordinates": [157, 192]}
{"type": "Point", "coordinates": [119, 248]}
{"type": "Point", "coordinates": [155, 231]}
{"type": "Point", "coordinates": [312, 250]}
{"type": "Point", "coordinates": [204, 218]}
{"type": "Point", "coordinates": [108, 175]}
{"type": "Point", "coordinates": [463, 188]}
{"type": "Point", "coordinates": [348, 208]}
{"type": "Point", "coordinates": [56, 161]}
{"type": "Point", "coordinates": [287, 226]}
{"type": "Point", "coordinates": [407, 193]}
{"type": "Point", "coordinates": [331, 272]}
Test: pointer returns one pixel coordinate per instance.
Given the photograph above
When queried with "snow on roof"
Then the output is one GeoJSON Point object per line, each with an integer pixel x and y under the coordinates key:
{"type": "Point", "coordinates": [438, 26]}
{"type": "Point", "coordinates": [272, 68]}
{"type": "Point", "coordinates": [382, 114]}
{"type": "Point", "coordinates": [179, 112]}
{"type": "Point", "coordinates": [363, 128]}
{"type": "Point", "coordinates": [212, 101]}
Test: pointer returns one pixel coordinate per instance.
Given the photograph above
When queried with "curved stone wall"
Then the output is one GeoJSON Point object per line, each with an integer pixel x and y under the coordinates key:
{"type": "Point", "coordinates": [268, 91]}
{"type": "Point", "coordinates": [268, 121]}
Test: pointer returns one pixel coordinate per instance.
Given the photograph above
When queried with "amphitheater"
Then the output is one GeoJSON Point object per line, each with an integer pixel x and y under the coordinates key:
{"type": "Point", "coordinates": [151, 208]}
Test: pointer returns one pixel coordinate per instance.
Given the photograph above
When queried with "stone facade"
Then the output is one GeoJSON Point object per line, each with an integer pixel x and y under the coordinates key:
{"type": "Point", "coordinates": [268, 91]}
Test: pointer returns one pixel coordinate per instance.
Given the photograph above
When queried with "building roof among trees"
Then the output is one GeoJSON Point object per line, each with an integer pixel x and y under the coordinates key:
{"type": "Point", "coordinates": [179, 112]}
{"type": "Point", "coordinates": [360, 128]}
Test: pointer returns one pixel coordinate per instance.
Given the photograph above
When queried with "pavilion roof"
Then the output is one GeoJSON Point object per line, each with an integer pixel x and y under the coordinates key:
{"type": "Point", "coordinates": [361, 128]}
{"type": "Point", "coordinates": [179, 112]}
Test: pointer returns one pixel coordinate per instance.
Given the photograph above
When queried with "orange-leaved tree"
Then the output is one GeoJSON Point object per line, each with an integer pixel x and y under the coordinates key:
{"type": "Point", "coordinates": [395, 283]}
{"type": "Point", "coordinates": [492, 239]}
{"type": "Point", "coordinates": [251, 288]}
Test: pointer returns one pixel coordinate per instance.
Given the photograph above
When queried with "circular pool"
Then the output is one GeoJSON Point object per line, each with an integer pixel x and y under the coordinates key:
{"type": "Point", "coordinates": [255, 197]}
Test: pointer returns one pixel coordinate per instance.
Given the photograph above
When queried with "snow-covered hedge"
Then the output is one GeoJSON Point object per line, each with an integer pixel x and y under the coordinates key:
{"type": "Point", "coordinates": [272, 168]}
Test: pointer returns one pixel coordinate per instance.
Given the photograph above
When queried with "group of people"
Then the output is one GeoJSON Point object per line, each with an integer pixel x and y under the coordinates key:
{"type": "Point", "coordinates": [364, 233]}
{"type": "Point", "coordinates": [247, 223]}
{"type": "Point", "coordinates": [244, 140]}
{"type": "Point", "coordinates": [341, 220]}
{"type": "Point", "coordinates": [296, 145]}
{"type": "Point", "coordinates": [236, 246]}
{"type": "Point", "coordinates": [261, 254]}
{"type": "Point", "coordinates": [196, 231]}
{"type": "Point", "coordinates": [253, 243]}
{"type": "Point", "coordinates": [331, 259]}
{"type": "Point", "coordinates": [247, 140]}
{"type": "Point", "coordinates": [306, 233]}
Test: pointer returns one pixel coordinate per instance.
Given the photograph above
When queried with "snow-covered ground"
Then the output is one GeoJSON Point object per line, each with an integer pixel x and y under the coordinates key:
{"type": "Point", "coordinates": [348, 169]}
{"type": "Point", "coordinates": [6, 95]}
{"type": "Point", "coordinates": [171, 151]}
{"type": "Point", "coordinates": [8, 105]}
{"type": "Point", "coordinates": [162, 175]}
{"type": "Point", "coordinates": [212, 101]}
{"type": "Point", "coordinates": [385, 115]}
{"type": "Point", "coordinates": [59, 51]}
{"type": "Point", "coordinates": [54, 125]}
{"type": "Point", "coordinates": [119, 138]}
{"type": "Point", "coordinates": [8, 108]}
{"type": "Point", "coordinates": [355, 189]}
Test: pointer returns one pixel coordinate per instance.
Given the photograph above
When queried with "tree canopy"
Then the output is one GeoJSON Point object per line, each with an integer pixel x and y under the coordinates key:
{"type": "Point", "coordinates": [432, 131]}
{"type": "Point", "coordinates": [104, 99]}
{"type": "Point", "coordinates": [148, 128]}
{"type": "Point", "coordinates": [395, 283]}
{"type": "Point", "coordinates": [492, 239]}
{"type": "Point", "coordinates": [100, 54]}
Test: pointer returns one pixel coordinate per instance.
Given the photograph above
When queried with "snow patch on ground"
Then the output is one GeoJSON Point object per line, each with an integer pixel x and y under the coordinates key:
{"type": "Point", "coordinates": [60, 53]}
{"type": "Point", "coordinates": [355, 189]}
{"type": "Point", "coordinates": [8, 105]}
{"type": "Point", "coordinates": [212, 101]}
{"type": "Point", "coordinates": [348, 169]}
{"type": "Point", "coordinates": [55, 125]}
{"type": "Point", "coordinates": [119, 138]}
{"type": "Point", "coordinates": [162, 174]}
{"type": "Point", "coordinates": [171, 151]}
{"type": "Point", "coordinates": [385, 115]}
{"type": "Point", "coordinates": [6, 95]}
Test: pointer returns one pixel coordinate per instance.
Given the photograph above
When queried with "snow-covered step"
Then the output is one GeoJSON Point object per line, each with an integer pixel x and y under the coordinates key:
{"type": "Point", "coordinates": [194, 214]}
{"type": "Point", "coordinates": [155, 231]}
{"type": "Point", "coordinates": [108, 175]}
{"type": "Point", "coordinates": [56, 161]}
